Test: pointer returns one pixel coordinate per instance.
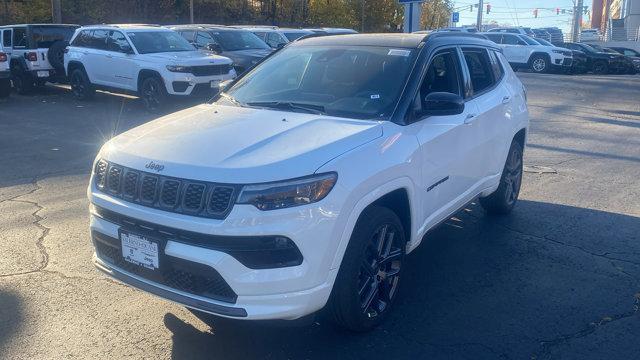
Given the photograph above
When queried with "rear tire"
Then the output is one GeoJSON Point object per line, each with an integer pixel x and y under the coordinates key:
{"type": "Point", "coordinates": [5, 88]}
{"type": "Point", "coordinates": [503, 200]}
{"type": "Point", "coordinates": [600, 68]}
{"type": "Point", "coordinates": [154, 94]}
{"type": "Point", "coordinates": [23, 83]}
{"type": "Point", "coordinates": [80, 85]}
{"type": "Point", "coordinates": [367, 283]}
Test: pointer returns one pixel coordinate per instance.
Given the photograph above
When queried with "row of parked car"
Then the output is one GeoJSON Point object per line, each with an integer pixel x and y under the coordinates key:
{"type": "Point", "coordinates": [147, 60]}
{"type": "Point", "coordinates": [527, 48]}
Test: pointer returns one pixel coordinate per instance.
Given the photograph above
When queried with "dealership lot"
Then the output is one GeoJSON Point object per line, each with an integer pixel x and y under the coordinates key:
{"type": "Point", "coordinates": [559, 277]}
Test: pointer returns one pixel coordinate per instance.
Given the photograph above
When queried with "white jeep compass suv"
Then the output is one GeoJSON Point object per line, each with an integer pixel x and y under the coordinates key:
{"type": "Point", "coordinates": [149, 61]}
{"type": "Point", "coordinates": [310, 177]}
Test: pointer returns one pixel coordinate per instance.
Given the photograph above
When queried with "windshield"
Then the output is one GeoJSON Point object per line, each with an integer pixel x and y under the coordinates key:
{"type": "Point", "coordinates": [291, 36]}
{"type": "Point", "coordinates": [529, 40]}
{"type": "Point", "coordinates": [363, 82]}
{"type": "Point", "coordinates": [44, 36]}
{"type": "Point", "coordinates": [597, 47]}
{"type": "Point", "coordinates": [149, 42]}
{"type": "Point", "coordinates": [238, 40]}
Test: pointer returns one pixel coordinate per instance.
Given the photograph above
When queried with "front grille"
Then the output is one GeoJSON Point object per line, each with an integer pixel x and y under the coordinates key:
{"type": "Point", "coordinates": [193, 278]}
{"type": "Point", "coordinates": [211, 70]}
{"type": "Point", "coordinates": [183, 196]}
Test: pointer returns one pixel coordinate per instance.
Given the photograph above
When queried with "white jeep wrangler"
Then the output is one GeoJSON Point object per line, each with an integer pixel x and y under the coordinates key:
{"type": "Point", "coordinates": [149, 61]}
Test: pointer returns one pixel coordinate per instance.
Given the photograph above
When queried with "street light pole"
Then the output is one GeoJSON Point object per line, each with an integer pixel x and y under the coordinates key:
{"type": "Point", "coordinates": [479, 20]}
{"type": "Point", "coordinates": [577, 19]}
{"type": "Point", "coordinates": [191, 11]}
{"type": "Point", "coordinates": [56, 12]}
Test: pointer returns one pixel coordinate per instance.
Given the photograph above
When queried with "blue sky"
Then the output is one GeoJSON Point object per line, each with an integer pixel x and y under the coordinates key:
{"type": "Point", "coordinates": [520, 12]}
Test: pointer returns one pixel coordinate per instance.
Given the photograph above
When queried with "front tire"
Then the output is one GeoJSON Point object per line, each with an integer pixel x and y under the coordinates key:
{"type": "Point", "coordinates": [367, 283]}
{"type": "Point", "coordinates": [154, 94]}
{"type": "Point", "coordinates": [539, 64]}
{"type": "Point", "coordinates": [80, 85]}
{"type": "Point", "coordinates": [600, 68]}
{"type": "Point", "coordinates": [503, 200]}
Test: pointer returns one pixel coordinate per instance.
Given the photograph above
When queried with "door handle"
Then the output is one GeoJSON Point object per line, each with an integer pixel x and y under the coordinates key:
{"type": "Point", "coordinates": [469, 119]}
{"type": "Point", "coordinates": [506, 99]}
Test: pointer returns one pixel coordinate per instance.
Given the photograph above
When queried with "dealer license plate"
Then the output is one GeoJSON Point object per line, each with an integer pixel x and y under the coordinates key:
{"type": "Point", "coordinates": [42, 73]}
{"type": "Point", "coordinates": [139, 250]}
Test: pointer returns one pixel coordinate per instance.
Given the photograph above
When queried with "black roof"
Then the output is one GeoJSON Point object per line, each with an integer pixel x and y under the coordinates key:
{"type": "Point", "coordinates": [400, 40]}
{"type": "Point", "coordinates": [206, 27]}
{"type": "Point", "coordinates": [54, 25]}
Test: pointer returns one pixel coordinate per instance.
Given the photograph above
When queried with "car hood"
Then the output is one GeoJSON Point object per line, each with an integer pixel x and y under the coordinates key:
{"type": "Point", "coordinates": [256, 53]}
{"type": "Point", "coordinates": [239, 145]}
{"type": "Point", "coordinates": [188, 58]}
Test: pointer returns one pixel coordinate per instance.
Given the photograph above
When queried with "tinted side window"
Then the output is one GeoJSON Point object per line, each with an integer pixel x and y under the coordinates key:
{"type": "Point", "coordinates": [117, 42]}
{"type": "Point", "coordinates": [45, 36]}
{"type": "Point", "coordinates": [273, 39]}
{"type": "Point", "coordinates": [496, 38]}
{"type": "Point", "coordinates": [496, 66]}
{"type": "Point", "coordinates": [510, 39]}
{"type": "Point", "coordinates": [443, 75]}
{"type": "Point", "coordinates": [83, 39]}
{"type": "Point", "coordinates": [99, 39]}
{"type": "Point", "coordinates": [6, 38]}
{"type": "Point", "coordinates": [261, 35]}
{"type": "Point", "coordinates": [479, 66]}
{"type": "Point", "coordinates": [189, 35]}
{"type": "Point", "coordinates": [203, 39]}
{"type": "Point", "coordinates": [19, 37]}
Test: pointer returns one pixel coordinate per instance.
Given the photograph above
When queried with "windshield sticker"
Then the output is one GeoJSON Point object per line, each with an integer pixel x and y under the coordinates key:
{"type": "Point", "coordinates": [376, 96]}
{"type": "Point", "coordinates": [399, 52]}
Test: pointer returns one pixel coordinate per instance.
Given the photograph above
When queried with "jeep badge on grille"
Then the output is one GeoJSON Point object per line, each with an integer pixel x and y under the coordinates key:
{"type": "Point", "coordinates": [153, 166]}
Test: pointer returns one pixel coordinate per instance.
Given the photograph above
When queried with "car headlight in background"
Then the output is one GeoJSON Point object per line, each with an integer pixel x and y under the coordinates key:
{"type": "Point", "coordinates": [179, 68]}
{"type": "Point", "coordinates": [558, 51]}
{"type": "Point", "coordinates": [288, 193]}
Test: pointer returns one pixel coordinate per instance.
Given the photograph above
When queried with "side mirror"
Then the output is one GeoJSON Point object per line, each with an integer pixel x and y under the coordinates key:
{"type": "Point", "coordinates": [280, 45]}
{"type": "Point", "coordinates": [213, 47]}
{"type": "Point", "coordinates": [442, 103]}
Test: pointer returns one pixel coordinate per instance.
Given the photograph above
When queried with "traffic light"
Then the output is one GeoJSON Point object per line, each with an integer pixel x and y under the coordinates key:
{"type": "Point", "coordinates": [535, 13]}
{"type": "Point", "coordinates": [471, 8]}
{"type": "Point", "coordinates": [488, 8]}
{"type": "Point", "coordinates": [557, 11]}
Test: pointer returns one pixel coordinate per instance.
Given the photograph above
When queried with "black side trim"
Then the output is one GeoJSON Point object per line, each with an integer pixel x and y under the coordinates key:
{"type": "Point", "coordinates": [437, 183]}
{"type": "Point", "coordinates": [170, 295]}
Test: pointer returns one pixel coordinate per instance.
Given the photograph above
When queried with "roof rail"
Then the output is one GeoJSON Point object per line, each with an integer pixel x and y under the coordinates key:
{"type": "Point", "coordinates": [123, 25]}
{"type": "Point", "coordinates": [439, 34]}
{"type": "Point", "coordinates": [256, 26]}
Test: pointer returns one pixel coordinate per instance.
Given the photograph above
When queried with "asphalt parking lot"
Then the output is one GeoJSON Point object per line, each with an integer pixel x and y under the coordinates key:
{"type": "Point", "coordinates": [557, 279]}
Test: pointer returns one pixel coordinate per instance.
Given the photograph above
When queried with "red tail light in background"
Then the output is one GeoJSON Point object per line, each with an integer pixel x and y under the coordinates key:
{"type": "Point", "coordinates": [3, 57]}
{"type": "Point", "coordinates": [31, 56]}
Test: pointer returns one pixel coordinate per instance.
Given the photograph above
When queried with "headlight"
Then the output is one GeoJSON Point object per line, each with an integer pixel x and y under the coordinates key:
{"type": "Point", "coordinates": [179, 68]}
{"type": "Point", "coordinates": [558, 51]}
{"type": "Point", "coordinates": [289, 193]}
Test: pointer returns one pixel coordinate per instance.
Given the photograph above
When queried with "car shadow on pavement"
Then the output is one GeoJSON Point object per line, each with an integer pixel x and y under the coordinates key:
{"type": "Point", "coordinates": [11, 317]}
{"type": "Point", "coordinates": [519, 286]}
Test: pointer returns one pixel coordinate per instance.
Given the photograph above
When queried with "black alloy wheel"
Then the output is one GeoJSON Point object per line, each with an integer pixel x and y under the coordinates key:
{"type": "Point", "coordinates": [153, 94]}
{"type": "Point", "coordinates": [600, 68]}
{"type": "Point", "coordinates": [505, 197]}
{"type": "Point", "coordinates": [80, 85]}
{"type": "Point", "coordinates": [380, 271]}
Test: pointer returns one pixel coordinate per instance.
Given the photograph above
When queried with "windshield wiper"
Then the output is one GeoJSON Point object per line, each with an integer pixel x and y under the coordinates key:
{"type": "Point", "coordinates": [286, 105]}
{"type": "Point", "coordinates": [230, 98]}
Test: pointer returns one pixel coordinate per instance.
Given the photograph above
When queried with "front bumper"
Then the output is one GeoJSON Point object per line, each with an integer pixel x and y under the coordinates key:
{"type": "Point", "coordinates": [185, 84]}
{"type": "Point", "coordinates": [561, 60]}
{"type": "Point", "coordinates": [262, 294]}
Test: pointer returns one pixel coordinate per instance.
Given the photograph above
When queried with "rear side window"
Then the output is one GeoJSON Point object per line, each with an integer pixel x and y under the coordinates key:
{"type": "Point", "coordinates": [203, 39]}
{"type": "Point", "coordinates": [496, 66]}
{"type": "Point", "coordinates": [480, 71]}
{"type": "Point", "coordinates": [496, 38]}
{"type": "Point", "coordinates": [188, 35]}
{"type": "Point", "coordinates": [19, 37]}
{"type": "Point", "coordinates": [443, 75]}
{"type": "Point", "coordinates": [83, 39]}
{"type": "Point", "coordinates": [98, 39]}
{"type": "Point", "coordinates": [6, 38]}
{"type": "Point", "coordinates": [509, 39]}
{"type": "Point", "coordinates": [117, 42]}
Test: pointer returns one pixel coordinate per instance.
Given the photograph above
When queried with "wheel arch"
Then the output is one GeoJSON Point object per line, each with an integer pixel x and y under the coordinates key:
{"type": "Point", "coordinates": [145, 73]}
{"type": "Point", "coordinates": [74, 64]}
{"type": "Point", "coordinates": [398, 195]}
{"type": "Point", "coordinates": [521, 137]}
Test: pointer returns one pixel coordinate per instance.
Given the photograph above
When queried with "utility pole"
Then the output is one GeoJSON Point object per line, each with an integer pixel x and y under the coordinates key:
{"type": "Point", "coordinates": [577, 19]}
{"type": "Point", "coordinates": [56, 12]}
{"type": "Point", "coordinates": [479, 20]}
{"type": "Point", "coordinates": [362, 21]}
{"type": "Point", "coordinates": [191, 11]}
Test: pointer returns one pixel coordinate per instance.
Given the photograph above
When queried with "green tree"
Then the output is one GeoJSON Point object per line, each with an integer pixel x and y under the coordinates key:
{"type": "Point", "coordinates": [436, 14]}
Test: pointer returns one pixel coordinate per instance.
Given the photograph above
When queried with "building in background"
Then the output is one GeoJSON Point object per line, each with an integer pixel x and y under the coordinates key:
{"type": "Point", "coordinates": [617, 19]}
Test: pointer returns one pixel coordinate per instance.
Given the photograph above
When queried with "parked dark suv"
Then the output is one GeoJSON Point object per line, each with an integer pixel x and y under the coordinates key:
{"type": "Point", "coordinates": [243, 47]}
{"type": "Point", "coordinates": [633, 55]}
{"type": "Point", "coordinates": [36, 53]}
{"type": "Point", "coordinates": [599, 62]}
